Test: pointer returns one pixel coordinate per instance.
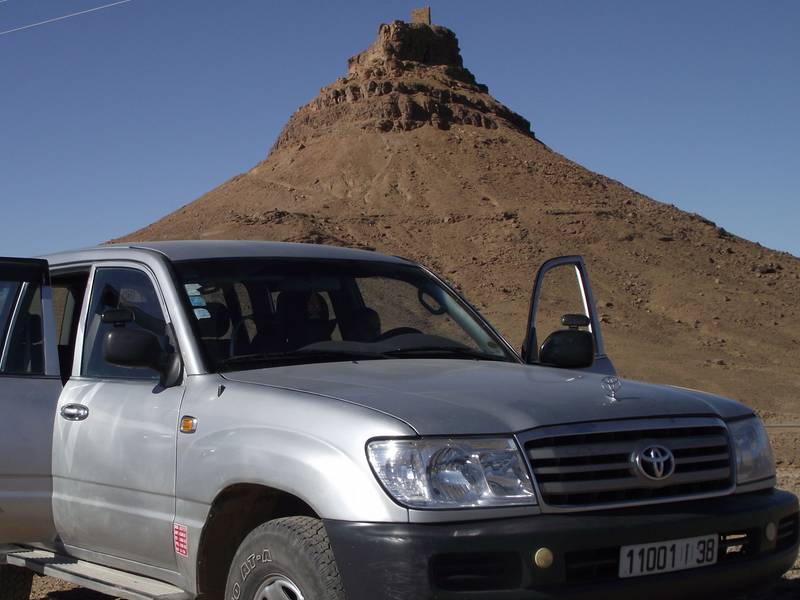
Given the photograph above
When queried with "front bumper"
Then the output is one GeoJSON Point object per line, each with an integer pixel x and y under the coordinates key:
{"type": "Point", "coordinates": [489, 560]}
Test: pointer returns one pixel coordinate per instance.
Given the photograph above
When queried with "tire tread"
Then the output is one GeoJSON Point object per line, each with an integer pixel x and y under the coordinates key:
{"type": "Point", "coordinates": [311, 532]}
{"type": "Point", "coordinates": [308, 536]}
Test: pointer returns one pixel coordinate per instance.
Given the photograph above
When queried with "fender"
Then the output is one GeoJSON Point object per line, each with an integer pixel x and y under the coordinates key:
{"type": "Point", "coordinates": [304, 444]}
{"type": "Point", "coordinates": [336, 483]}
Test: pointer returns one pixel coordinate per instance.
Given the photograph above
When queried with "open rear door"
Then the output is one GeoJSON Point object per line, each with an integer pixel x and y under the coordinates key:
{"type": "Point", "coordinates": [563, 308]}
{"type": "Point", "coordinates": [30, 385]}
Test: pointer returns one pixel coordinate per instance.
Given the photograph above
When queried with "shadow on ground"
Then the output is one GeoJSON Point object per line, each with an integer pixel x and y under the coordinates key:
{"type": "Point", "coordinates": [787, 589]}
{"type": "Point", "coordinates": [76, 594]}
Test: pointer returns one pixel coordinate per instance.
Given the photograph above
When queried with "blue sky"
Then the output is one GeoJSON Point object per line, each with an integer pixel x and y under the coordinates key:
{"type": "Point", "coordinates": [112, 119]}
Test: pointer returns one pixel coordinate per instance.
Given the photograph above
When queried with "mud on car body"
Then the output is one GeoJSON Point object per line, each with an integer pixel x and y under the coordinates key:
{"type": "Point", "coordinates": [255, 420]}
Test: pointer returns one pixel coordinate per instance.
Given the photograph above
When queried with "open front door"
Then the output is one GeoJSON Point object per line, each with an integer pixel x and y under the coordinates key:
{"type": "Point", "coordinates": [30, 385]}
{"type": "Point", "coordinates": [563, 327]}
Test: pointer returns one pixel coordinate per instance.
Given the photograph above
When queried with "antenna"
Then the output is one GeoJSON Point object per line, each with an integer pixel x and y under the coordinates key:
{"type": "Point", "coordinates": [62, 17]}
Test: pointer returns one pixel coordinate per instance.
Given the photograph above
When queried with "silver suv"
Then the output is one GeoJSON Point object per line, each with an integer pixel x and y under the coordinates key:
{"type": "Point", "coordinates": [262, 421]}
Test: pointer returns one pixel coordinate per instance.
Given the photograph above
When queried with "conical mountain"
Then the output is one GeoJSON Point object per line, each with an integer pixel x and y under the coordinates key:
{"type": "Point", "coordinates": [409, 155]}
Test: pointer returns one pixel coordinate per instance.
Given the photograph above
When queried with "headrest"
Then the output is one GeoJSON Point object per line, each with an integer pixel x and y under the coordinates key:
{"type": "Point", "coordinates": [305, 306]}
{"type": "Point", "coordinates": [366, 324]}
{"type": "Point", "coordinates": [303, 318]}
{"type": "Point", "coordinates": [217, 324]}
{"type": "Point", "coordinates": [109, 298]}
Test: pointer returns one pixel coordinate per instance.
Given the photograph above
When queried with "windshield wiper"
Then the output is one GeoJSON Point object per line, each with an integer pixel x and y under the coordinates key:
{"type": "Point", "coordinates": [457, 351]}
{"type": "Point", "coordinates": [319, 355]}
{"type": "Point", "coordinates": [242, 359]}
{"type": "Point", "coordinates": [299, 355]}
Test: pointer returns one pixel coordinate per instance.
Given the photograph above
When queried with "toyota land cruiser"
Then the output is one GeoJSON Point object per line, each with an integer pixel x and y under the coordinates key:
{"type": "Point", "coordinates": [263, 421]}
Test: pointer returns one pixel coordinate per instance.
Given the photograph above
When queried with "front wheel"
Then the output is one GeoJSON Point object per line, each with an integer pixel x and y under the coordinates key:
{"type": "Point", "coordinates": [285, 559]}
{"type": "Point", "coordinates": [15, 583]}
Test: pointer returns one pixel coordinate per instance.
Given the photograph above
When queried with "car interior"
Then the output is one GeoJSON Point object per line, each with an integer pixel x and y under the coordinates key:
{"type": "Point", "coordinates": [229, 321]}
{"type": "Point", "coordinates": [283, 321]}
{"type": "Point", "coordinates": [68, 293]}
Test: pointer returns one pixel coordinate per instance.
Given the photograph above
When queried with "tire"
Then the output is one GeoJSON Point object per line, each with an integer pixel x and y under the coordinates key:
{"type": "Point", "coordinates": [285, 559]}
{"type": "Point", "coordinates": [15, 583]}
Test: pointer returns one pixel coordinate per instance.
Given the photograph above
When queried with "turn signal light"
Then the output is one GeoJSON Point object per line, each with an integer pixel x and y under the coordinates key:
{"type": "Point", "coordinates": [188, 424]}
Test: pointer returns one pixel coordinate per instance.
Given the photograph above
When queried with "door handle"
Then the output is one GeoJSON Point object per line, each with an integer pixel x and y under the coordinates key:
{"type": "Point", "coordinates": [74, 412]}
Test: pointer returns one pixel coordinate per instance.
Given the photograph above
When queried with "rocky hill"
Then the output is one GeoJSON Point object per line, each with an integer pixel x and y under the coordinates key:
{"type": "Point", "coordinates": [410, 155]}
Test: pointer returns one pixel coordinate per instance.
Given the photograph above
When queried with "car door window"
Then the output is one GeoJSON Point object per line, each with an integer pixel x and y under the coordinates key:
{"type": "Point", "coordinates": [116, 287]}
{"type": "Point", "coordinates": [67, 293]}
{"type": "Point", "coordinates": [21, 318]}
{"type": "Point", "coordinates": [560, 295]}
{"type": "Point", "coordinates": [8, 294]}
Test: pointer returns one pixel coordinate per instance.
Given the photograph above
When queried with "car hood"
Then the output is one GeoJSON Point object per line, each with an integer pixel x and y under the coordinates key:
{"type": "Point", "coordinates": [464, 397]}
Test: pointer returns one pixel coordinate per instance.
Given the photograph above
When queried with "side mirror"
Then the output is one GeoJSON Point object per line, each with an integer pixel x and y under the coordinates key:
{"type": "Point", "coordinates": [568, 349]}
{"type": "Point", "coordinates": [131, 348]}
{"type": "Point", "coordinates": [140, 349]}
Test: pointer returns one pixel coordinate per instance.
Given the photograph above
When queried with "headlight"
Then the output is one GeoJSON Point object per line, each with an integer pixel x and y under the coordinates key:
{"type": "Point", "coordinates": [754, 460]}
{"type": "Point", "coordinates": [452, 473]}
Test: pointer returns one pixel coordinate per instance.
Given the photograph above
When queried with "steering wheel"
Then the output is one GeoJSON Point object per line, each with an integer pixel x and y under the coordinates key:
{"type": "Point", "coordinates": [235, 333]}
{"type": "Point", "coordinates": [395, 332]}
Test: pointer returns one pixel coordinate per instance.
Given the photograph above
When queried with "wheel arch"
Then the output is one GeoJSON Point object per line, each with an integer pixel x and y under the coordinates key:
{"type": "Point", "coordinates": [235, 512]}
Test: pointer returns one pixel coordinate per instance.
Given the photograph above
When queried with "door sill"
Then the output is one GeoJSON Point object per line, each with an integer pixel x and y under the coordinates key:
{"type": "Point", "coordinates": [115, 583]}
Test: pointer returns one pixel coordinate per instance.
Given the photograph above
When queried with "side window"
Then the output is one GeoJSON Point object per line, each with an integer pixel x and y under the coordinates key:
{"type": "Point", "coordinates": [61, 296]}
{"type": "Point", "coordinates": [21, 318]}
{"type": "Point", "coordinates": [8, 297]}
{"type": "Point", "coordinates": [560, 295]}
{"type": "Point", "coordinates": [67, 292]}
{"type": "Point", "coordinates": [115, 287]}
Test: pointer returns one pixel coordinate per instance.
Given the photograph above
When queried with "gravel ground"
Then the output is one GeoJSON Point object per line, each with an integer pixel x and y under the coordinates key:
{"type": "Point", "coordinates": [787, 589]}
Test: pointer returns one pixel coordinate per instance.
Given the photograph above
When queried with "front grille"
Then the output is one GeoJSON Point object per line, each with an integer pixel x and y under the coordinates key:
{"type": "Point", "coordinates": [581, 470]}
{"type": "Point", "coordinates": [788, 531]}
{"type": "Point", "coordinates": [480, 571]}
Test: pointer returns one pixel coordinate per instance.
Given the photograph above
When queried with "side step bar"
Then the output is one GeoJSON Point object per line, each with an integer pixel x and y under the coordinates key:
{"type": "Point", "coordinates": [105, 580]}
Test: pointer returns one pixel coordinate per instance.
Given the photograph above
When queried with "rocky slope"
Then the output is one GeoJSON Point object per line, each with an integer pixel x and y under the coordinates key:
{"type": "Point", "coordinates": [409, 155]}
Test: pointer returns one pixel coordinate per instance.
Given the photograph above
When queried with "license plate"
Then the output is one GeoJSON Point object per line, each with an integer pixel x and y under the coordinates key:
{"type": "Point", "coordinates": [665, 557]}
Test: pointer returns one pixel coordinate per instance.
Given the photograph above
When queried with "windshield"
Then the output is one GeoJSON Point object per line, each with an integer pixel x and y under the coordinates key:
{"type": "Point", "coordinates": [262, 312]}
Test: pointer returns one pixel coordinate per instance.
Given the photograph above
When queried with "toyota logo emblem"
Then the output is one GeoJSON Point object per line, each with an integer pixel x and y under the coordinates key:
{"type": "Point", "coordinates": [655, 462]}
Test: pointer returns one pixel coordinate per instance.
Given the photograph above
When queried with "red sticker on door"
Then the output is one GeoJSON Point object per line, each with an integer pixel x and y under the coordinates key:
{"type": "Point", "coordinates": [181, 536]}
